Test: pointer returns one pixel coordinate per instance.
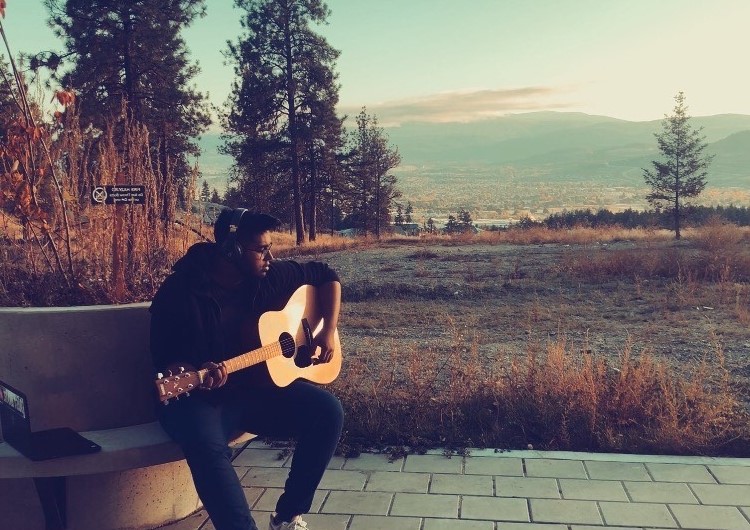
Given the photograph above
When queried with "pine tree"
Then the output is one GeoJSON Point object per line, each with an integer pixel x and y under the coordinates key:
{"type": "Point", "coordinates": [399, 218]}
{"type": "Point", "coordinates": [408, 213]}
{"type": "Point", "coordinates": [282, 104]}
{"type": "Point", "coordinates": [465, 222]}
{"type": "Point", "coordinates": [205, 194]}
{"type": "Point", "coordinates": [133, 53]}
{"type": "Point", "coordinates": [370, 187]}
{"type": "Point", "coordinates": [682, 172]}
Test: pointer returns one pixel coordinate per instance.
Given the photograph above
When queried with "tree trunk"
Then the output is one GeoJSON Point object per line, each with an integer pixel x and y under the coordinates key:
{"type": "Point", "coordinates": [299, 221]}
{"type": "Point", "coordinates": [313, 194]}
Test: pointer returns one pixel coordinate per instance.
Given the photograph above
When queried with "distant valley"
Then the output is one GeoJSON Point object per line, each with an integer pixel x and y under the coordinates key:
{"type": "Point", "coordinates": [538, 163]}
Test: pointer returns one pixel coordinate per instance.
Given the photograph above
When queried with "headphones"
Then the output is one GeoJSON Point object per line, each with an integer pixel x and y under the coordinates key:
{"type": "Point", "coordinates": [230, 247]}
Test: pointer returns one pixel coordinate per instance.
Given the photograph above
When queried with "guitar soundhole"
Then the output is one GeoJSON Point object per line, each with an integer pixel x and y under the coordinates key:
{"type": "Point", "coordinates": [304, 357]}
{"type": "Point", "coordinates": [287, 345]}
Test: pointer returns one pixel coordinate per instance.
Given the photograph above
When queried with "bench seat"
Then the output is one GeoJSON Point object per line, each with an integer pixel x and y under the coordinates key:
{"type": "Point", "coordinates": [124, 448]}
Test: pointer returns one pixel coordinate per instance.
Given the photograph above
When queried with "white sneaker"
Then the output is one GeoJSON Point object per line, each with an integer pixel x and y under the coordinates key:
{"type": "Point", "coordinates": [295, 524]}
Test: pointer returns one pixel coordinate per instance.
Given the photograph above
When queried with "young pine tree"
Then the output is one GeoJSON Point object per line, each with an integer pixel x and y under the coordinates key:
{"type": "Point", "coordinates": [681, 174]}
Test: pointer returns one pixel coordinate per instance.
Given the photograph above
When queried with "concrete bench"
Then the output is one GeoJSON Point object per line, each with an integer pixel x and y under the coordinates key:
{"type": "Point", "coordinates": [89, 368]}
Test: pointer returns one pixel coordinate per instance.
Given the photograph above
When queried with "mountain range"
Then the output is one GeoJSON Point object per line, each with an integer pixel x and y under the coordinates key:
{"type": "Point", "coordinates": [547, 146]}
{"type": "Point", "coordinates": [556, 146]}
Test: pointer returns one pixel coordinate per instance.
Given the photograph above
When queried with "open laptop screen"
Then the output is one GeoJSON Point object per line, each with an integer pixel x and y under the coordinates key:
{"type": "Point", "coordinates": [41, 445]}
{"type": "Point", "coordinates": [14, 413]}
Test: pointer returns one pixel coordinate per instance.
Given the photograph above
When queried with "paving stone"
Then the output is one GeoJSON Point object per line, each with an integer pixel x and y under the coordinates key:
{"type": "Point", "coordinates": [377, 522]}
{"type": "Point", "coordinates": [453, 524]}
{"type": "Point", "coordinates": [579, 527]}
{"type": "Point", "coordinates": [527, 487]}
{"type": "Point", "coordinates": [532, 526]}
{"type": "Point", "coordinates": [252, 495]}
{"type": "Point", "coordinates": [434, 464]}
{"type": "Point", "coordinates": [340, 479]}
{"type": "Point", "coordinates": [394, 481]}
{"type": "Point", "coordinates": [481, 465]}
{"type": "Point", "coordinates": [592, 490]}
{"type": "Point", "coordinates": [661, 492]}
{"type": "Point", "coordinates": [357, 502]}
{"type": "Point", "coordinates": [722, 494]}
{"type": "Point", "coordinates": [494, 508]}
{"type": "Point", "coordinates": [425, 505]}
{"type": "Point", "coordinates": [265, 477]}
{"type": "Point", "coordinates": [617, 471]}
{"type": "Point", "coordinates": [563, 511]}
{"type": "Point", "coordinates": [545, 467]}
{"type": "Point", "coordinates": [709, 517]}
{"type": "Point", "coordinates": [462, 484]}
{"type": "Point", "coordinates": [337, 462]}
{"type": "Point", "coordinates": [260, 458]}
{"type": "Point", "coordinates": [680, 473]}
{"type": "Point", "coordinates": [269, 498]}
{"type": "Point", "coordinates": [731, 474]}
{"type": "Point", "coordinates": [324, 521]}
{"type": "Point", "coordinates": [373, 462]}
{"type": "Point", "coordinates": [641, 514]}
{"type": "Point", "coordinates": [192, 522]}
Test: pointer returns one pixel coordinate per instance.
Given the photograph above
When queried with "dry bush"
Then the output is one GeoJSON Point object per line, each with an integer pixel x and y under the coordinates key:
{"type": "Point", "coordinates": [551, 396]}
{"type": "Point", "coordinates": [117, 253]}
{"type": "Point", "coordinates": [577, 236]}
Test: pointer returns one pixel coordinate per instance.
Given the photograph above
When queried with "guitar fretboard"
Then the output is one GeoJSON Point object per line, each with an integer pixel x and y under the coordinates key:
{"type": "Point", "coordinates": [254, 357]}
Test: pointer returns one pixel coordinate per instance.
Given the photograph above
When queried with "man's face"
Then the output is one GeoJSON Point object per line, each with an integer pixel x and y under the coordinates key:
{"type": "Point", "coordinates": [256, 255]}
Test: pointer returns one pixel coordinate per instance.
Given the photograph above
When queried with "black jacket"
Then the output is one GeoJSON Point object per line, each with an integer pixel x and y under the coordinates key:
{"type": "Point", "coordinates": [186, 315]}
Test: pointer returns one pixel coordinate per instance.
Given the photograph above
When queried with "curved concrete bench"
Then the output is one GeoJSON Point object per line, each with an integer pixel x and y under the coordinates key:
{"type": "Point", "coordinates": [89, 368]}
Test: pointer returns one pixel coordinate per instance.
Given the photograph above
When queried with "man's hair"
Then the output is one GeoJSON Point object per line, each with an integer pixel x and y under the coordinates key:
{"type": "Point", "coordinates": [251, 224]}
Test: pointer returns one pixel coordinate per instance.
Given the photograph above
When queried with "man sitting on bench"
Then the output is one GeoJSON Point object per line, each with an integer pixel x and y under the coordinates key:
{"type": "Point", "coordinates": [206, 312]}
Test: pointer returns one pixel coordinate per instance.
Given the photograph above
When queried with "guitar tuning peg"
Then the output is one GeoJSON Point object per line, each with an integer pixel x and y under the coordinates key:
{"type": "Point", "coordinates": [182, 369]}
{"type": "Point", "coordinates": [187, 394]}
{"type": "Point", "coordinates": [160, 375]}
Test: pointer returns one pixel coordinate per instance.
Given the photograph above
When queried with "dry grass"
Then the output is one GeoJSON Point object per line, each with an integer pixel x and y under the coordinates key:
{"type": "Point", "coordinates": [551, 396]}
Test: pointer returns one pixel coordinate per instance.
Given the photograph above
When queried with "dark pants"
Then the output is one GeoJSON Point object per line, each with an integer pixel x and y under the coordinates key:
{"type": "Point", "coordinates": [302, 411]}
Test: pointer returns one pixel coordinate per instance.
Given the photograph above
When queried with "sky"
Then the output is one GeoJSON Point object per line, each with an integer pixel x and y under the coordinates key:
{"type": "Point", "coordinates": [465, 60]}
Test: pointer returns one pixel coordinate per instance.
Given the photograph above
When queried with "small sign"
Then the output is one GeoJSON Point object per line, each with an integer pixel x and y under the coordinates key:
{"type": "Point", "coordinates": [119, 194]}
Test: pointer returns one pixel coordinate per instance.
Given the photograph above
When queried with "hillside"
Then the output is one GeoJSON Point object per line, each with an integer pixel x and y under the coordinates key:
{"type": "Point", "coordinates": [553, 146]}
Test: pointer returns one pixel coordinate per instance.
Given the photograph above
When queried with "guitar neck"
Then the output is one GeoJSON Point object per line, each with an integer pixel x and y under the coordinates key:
{"type": "Point", "coordinates": [251, 358]}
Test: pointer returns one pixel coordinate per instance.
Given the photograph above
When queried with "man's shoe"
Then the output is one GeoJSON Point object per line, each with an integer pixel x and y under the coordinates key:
{"type": "Point", "coordinates": [295, 524]}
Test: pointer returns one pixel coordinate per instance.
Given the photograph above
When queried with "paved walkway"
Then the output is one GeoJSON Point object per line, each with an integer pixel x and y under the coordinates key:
{"type": "Point", "coordinates": [520, 490]}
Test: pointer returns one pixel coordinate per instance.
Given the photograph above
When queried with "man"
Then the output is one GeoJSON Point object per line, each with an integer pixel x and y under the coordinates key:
{"type": "Point", "coordinates": [207, 311]}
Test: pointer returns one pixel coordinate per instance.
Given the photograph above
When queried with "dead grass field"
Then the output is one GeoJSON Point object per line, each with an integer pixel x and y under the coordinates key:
{"type": "Point", "coordinates": [626, 344]}
{"type": "Point", "coordinates": [599, 297]}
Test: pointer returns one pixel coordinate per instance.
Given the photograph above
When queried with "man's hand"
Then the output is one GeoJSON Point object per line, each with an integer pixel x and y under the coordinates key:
{"type": "Point", "coordinates": [325, 341]}
{"type": "Point", "coordinates": [215, 377]}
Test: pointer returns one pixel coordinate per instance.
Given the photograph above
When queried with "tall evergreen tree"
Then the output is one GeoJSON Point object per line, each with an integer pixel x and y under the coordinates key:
{"type": "Point", "coordinates": [132, 53]}
{"type": "Point", "coordinates": [282, 105]}
{"type": "Point", "coordinates": [205, 194]}
{"type": "Point", "coordinates": [371, 187]}
{"type": "Point", "coordinates": [682, 173]}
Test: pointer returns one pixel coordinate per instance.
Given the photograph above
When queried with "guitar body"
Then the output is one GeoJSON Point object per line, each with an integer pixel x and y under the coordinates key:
{"type": "Point", "coordinates": [301, 306]}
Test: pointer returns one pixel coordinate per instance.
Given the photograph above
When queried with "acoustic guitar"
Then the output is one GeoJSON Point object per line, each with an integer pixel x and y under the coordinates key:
{"type": "Point", "coordinates": [286, 337]}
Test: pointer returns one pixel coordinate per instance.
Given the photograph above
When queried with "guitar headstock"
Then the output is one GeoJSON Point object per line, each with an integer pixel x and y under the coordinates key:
{"type": "Point", "coordinates": [173, 386]}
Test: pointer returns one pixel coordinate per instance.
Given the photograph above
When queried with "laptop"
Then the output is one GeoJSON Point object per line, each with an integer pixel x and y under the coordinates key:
{"type": "Point", "coordinates": [40, 445]}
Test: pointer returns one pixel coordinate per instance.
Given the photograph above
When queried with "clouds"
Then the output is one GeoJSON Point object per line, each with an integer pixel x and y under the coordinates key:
{"type": "Point", "coordinates": [464, 106]}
